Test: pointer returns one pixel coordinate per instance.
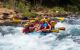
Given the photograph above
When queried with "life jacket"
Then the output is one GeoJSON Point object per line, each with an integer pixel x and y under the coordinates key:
{"type": "Point", "coordinates": [53, 24]}
{"type": "Point", "coordinates": [26, 30]}
{"type": "Point", "coordinates": [31, 27]}
{"type": "Point", "coordinates": [44, 25]}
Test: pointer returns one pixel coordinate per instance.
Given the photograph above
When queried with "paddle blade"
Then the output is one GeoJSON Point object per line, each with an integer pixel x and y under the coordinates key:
{"type": "Point", "coordinates": [56, 31]}
{"type": "Point", "coordinates": [61, 28]}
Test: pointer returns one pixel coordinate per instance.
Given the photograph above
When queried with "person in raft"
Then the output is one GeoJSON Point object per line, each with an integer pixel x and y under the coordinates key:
{"type": "Point", "coordinates": [45, 26]}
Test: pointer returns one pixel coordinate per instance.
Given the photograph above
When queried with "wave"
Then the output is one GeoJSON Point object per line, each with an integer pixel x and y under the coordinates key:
{"type": "Point", "coordinates": [12, 38]}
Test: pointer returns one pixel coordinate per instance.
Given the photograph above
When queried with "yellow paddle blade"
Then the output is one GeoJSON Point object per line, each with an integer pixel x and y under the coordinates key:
{"type": "Point", "coordinates": [17, 20]}
{"type": "Point", "coordinates": [61, 18]}
{"type": "Point", "coordinates": [61, 28]}
{"type": "Point", "coordinates": [42, 20]}
{"type": "Point", "coordinates": [57, 31]}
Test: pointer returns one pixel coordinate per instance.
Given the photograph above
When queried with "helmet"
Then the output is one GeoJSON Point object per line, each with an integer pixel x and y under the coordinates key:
{"type": "Point", "coordinates": [36, 18]}
{"type": "Point", "coordinates": [26, 24]}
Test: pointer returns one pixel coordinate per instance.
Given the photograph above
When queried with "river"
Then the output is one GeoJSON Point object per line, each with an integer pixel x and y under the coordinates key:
{"type": "Point", "coordinates": [12, 38]}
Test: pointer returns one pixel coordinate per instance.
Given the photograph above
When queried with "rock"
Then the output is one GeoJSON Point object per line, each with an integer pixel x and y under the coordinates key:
{"type": "Point", "coordinates": [1, 16]}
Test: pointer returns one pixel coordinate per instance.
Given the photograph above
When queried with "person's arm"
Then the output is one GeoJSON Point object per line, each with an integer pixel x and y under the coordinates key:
{"type": "Point", "coordinates": [49, 26]}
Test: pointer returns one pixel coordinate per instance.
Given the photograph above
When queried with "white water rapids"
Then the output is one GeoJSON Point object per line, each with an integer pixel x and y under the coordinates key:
{"type": "Point", "coordinates": [14, 39]}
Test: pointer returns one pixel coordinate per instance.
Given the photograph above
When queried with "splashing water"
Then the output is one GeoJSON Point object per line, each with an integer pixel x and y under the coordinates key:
{"type": "Point", "coordinates": [14, 39]}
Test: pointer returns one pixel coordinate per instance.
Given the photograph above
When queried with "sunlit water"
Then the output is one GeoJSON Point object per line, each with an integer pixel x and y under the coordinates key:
{"type": "Point", "coordinates": [14, 39]}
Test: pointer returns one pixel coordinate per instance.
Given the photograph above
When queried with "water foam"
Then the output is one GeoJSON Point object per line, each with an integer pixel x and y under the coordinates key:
{"type": "Point", "coordinates": [14, 39]}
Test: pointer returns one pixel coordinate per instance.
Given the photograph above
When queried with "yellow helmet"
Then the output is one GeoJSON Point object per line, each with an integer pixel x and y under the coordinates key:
{"type": "Point", "coordinates": [36, 18]}
{"type": "Point", "coordinates": [25, 24]}
{"type": "Point", "coordinates": [53, 23]}
{"type": "Point", "coordinates": [48, 19]}
{"type": "Point", "coordinates": [42, 20]}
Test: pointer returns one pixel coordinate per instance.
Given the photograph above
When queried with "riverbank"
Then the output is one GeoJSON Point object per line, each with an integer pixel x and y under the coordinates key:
{"type": "Point", "coordinates": [11, 13]}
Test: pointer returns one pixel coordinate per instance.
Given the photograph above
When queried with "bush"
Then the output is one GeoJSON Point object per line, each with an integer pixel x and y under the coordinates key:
{"type": "Point", "coordinates": [6, 5]}
{"type": "Point", "coordinates": [60, 9]}
{"type": "Point", "coordinates": [29, 14]}
{"type": "Point", "coordinates": [72, 8]}
{"type": "Point", "coordinates": [22, 7]}
{"type": "Point", "coordinates": [25, 9]}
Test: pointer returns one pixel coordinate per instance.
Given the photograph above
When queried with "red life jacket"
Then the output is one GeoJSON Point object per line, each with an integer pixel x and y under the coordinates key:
{"type": "Point", "coordinates": [26, 30]}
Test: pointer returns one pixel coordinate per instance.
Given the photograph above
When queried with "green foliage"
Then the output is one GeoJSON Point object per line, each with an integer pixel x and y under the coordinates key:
{"type": "Point", "coordinates": [6, 5]}
{"type": "Point", "coordinates": [25, 9]}
{"type": "Point", "coordinates": [56, 5]}
{"type": "Point", "coordinates": [29, 14]}
{"type": "Point", "coordinates": [22, 7]}
{"type": "Point", "coordinates": [60, 9]}
{"type": "Point", "coordinates": [34, 14]}
{"type": "Point", "coordinates": [72, 8]}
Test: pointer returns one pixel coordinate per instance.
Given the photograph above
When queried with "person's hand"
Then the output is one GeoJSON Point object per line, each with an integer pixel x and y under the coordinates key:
{"type": "Point", "coordinates": [43, 29]}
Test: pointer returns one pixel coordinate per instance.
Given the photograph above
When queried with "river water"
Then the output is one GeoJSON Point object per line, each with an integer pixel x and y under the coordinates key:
{"type": "Point", "coordinates": [12, 38]}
